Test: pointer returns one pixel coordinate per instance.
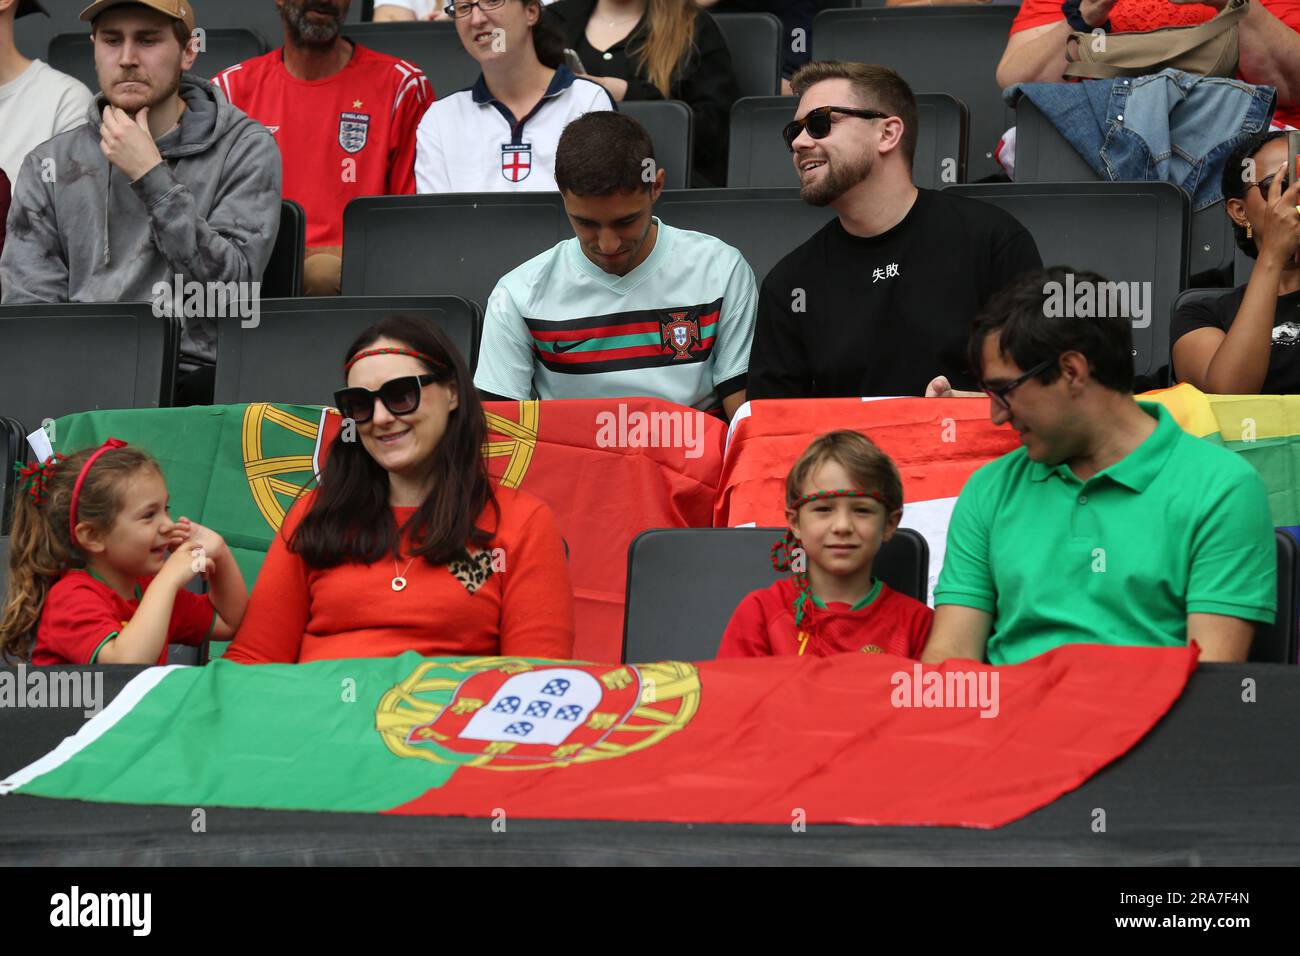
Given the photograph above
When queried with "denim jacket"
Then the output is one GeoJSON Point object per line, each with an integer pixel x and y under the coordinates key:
{"type": "Point", "coordinates": [1174, 126]}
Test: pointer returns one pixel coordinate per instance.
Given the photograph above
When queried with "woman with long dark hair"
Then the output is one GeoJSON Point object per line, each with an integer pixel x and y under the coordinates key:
{"type": "Point", "coordinates": [406, 545]}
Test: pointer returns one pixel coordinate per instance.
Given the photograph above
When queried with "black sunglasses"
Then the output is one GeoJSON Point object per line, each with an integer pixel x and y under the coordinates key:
{"type": "Point", "coordinates": [818, 122]}
{"type": "Point", "coordinates": [401, 396]}
{"type": "Point", "coordinates": [1000, 393]}
{"type": "Point", "coordinates": [1267, 182]}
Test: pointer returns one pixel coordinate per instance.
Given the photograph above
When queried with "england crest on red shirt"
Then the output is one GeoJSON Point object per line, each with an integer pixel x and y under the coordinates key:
{"type": "Point", "coordinates": [516, 161]}
{"type": "Point", "coordinates": [353, 130]}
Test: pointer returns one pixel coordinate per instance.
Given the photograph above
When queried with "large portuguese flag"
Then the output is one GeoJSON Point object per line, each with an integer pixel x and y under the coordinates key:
{"type": "Point", "coordinates": [857, 738]}
{"type": "Point", "coordinates": [605, 473]}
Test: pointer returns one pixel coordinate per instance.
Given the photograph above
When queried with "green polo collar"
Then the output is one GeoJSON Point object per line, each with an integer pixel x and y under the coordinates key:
{"type": "Point", "coordinates": [1138, 468]}
{"type": "Point", "coordinates": [865, 602]}
{"type": "Point", "coordinates": [138, 595]}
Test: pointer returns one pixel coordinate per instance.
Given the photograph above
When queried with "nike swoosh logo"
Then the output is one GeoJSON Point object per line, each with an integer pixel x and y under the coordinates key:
{"type": "Point", "coordinates": [566, 348]}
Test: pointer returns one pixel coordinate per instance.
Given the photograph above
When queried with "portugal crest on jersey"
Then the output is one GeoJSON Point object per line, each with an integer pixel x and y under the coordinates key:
{"type": "Point", "coordinates": [680, 334]}
{"type": "Point", "coordinates": [516, 161]}
{"type": "Point", "coordinates": [353, 131]}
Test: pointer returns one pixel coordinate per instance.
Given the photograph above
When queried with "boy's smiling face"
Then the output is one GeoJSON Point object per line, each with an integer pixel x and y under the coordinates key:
{"type": "Point", "coordinates": [840, 536]}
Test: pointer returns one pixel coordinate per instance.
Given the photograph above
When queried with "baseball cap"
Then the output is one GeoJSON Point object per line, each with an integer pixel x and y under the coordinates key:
{"type": "Point", "coordinates": [30, 6]}
{"type": "Point", "coordinates": [181, 10]}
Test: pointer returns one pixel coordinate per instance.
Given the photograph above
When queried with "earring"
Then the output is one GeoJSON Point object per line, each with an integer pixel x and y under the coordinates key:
{"type": "Point", "coordinates": [1250, 233]}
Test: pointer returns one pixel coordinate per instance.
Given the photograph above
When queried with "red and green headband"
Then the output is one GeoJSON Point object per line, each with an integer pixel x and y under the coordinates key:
{"type": "Point", "coordinates": [428, 359]}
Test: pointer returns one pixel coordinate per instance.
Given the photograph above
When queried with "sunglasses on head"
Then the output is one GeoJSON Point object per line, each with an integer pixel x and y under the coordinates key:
{"type": "Point", "coordinates": [401, 396]}
{"type": "Point", "coordinates": [818, 122]}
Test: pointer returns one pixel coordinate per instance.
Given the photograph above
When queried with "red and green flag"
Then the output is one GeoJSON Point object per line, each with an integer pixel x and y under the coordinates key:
{"type": "Point", "coordinates": [856, 739]}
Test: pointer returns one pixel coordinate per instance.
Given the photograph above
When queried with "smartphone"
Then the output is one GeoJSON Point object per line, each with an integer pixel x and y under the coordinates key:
{"type": "Point", "coordinates": [574, 63]}
{"type": "Point", "coordinates": [1293, 154]}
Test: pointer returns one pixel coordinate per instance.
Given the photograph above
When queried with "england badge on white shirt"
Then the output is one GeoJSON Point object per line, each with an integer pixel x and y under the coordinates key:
{"type": "Point", "coordinates": [516, 161]}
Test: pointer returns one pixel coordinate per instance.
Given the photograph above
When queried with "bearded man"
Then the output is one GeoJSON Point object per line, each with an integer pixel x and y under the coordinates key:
{"type": "Point", "coordinates": [345, 118]}
{"type": "Point", "coordinates": [166, 180]}
{"type": "Point", "coordinates": [880, 300]}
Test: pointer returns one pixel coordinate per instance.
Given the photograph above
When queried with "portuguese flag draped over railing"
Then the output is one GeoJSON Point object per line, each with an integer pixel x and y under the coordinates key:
{"type": "Point", "coordinates": [608, 470]}
{"type": "Point", "coordinates": [858, 738]}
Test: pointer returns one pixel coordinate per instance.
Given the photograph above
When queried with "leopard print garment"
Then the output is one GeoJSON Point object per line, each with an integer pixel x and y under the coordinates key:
{"type": "Point", "coordinates": [472, 570]}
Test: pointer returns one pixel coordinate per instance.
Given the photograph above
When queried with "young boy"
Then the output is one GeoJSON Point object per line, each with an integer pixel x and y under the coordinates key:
{"type": "Point", "coordinates": [844, 499]}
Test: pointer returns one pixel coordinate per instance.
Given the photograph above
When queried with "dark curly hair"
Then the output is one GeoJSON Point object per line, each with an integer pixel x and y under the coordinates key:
{"type": "Point", "coordinates": [1235, 183]}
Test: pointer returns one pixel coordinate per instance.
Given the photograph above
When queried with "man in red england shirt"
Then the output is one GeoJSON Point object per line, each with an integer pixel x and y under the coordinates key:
{"type": "Point", "coordinates": [1268, 37]}
{"type": "Point", "coordinates": [345, 118]}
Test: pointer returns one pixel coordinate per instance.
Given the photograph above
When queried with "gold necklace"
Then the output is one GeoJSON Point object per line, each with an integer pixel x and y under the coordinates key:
{"type": "Point", "coordinates": [399, 578]}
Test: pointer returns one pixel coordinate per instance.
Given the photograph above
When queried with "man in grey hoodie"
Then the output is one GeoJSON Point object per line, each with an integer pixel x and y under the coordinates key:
{"type": "Point", "coordinates": [168, 184]}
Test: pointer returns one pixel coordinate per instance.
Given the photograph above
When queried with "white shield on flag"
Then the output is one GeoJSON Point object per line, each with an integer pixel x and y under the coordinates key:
{"type": "Point", "coordinates": [536, 707]}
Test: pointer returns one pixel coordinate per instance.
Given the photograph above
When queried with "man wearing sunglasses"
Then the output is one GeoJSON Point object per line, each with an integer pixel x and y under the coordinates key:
{"type": "Point", "coordinates": [1110, 525]}
{"type": "Point", "coordinates": [345, 118]}
{"type": "Point", "coordinates": [878, 301]}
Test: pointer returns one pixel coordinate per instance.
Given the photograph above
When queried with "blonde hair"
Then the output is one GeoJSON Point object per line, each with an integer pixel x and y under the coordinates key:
{"type": "Point", "coordinates": [42, 548]}
{"type": "Point", "coordinates": [869, 467]}
{"type": "Point", "coordinates": [669, 39]}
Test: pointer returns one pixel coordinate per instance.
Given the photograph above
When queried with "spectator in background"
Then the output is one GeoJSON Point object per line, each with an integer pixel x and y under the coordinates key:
{"type": "Point", "coordinates": [345, 118]}
{"type": "Point", "coordinates": [795, 16]}
{"type": "Point", "coordinates": [500, 135]}
{"type": "Point", "coordinates": [658, 50]}
{"type": "Point", "coordinates": [1247, 341]}
{"type": "Point", "coordinates": [880, 299]}
{"type": "Point", "coordinates": [1268, 42]}
{"type": "Point", "coordinates": [1090, 533]}
{"type": "Point", "coordinates": [631, 306]}
{"type": "Point", "coordinates": [168, 180]}
{"type": "Point", "coordinates": [394, 11]}
{"type": "Point", "coordinates": [36, 102]}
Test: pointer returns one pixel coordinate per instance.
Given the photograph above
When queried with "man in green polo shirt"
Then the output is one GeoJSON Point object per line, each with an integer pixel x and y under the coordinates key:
{"type": "Point", "coordinates": [1110, 525]}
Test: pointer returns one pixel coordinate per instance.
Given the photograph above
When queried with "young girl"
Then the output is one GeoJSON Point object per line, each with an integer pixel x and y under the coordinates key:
{"type": "Point", "coordinates": [844, 500]}
{"type": "Point", "coordinates": [98, 569]}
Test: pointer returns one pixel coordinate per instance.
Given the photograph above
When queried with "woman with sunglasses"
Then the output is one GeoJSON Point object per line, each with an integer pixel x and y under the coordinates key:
{"type": "Point", "coordinates": [1248, 341]}
{"type": "Point", "coordinates": [406, 545]}
{"type": "Point", "coordinates": [500, 134]}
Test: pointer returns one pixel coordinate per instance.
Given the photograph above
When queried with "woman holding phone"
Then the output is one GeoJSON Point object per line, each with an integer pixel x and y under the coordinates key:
{"type": "Point", "coordinates": [500, 134]}
{"type": "Point", "coordinates": [1248, 341]}
{"type": "Point", "coordinates": [406, 545]}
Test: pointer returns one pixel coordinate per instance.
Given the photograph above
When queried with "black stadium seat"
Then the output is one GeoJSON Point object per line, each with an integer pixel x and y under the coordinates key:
{"type": "Point", "coordinates": [671, 126]}
{"type": "Point", "coordinates": [754, 42]}
{"type": "Point", "coordinates": [73, 53]}
{"type": "Point", "coordinates": [758, 155]}
{"type": "Point", "coordinates": [684, 583]}
{"type": "Point", "coordinates": [59, 359]}
{"type": "Point", "coordinates": [434, 47]}
{"type": "Point", "coordinates": [1043, 155]}
{"type": "Point", "coordinates": [952, 49]}
{"type": "Point", "coordinates": [295, 353]}
{"type": "Point", "coordinates": [1127, 232]}
{"type": "Point", "coordinates": [1280, 642]}
{"type": "Point", "coordinates": [445, 244]}
{"type": "Point", "coordinates": [283, 276]}
{"type": "Point", "coordinates": [13, 451]}
{"type": "Point", "coordinates": [764, 224]}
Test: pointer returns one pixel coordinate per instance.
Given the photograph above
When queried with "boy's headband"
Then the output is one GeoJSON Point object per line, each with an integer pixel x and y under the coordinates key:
{"type": "Point", "coordinates": [108, 445]}
{"type": "Point", "coordinates": [428, 359]}
{"type": "Point", "coordinates": [837, 493]}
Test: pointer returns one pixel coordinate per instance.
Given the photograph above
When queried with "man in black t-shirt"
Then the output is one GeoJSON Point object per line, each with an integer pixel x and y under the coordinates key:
{"type": "Point", "coordinates": [880, 300]}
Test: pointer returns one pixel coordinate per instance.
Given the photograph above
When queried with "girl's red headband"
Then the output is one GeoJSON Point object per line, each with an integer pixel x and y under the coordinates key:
{"type": "Point", "coordinates": [108, 445]}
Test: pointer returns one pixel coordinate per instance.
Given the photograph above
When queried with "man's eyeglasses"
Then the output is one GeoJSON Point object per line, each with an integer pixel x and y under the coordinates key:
{"type": "Point", "coordinates": [463, 8]}
{"type": "Point", "coordinates": [1000, 393]}
{"type": "Point", "coordinates": [818, 122]}
{"type": "Point", "coordinates": [401, 396]}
